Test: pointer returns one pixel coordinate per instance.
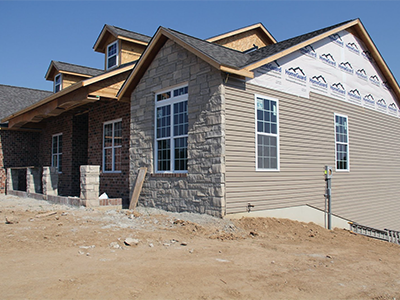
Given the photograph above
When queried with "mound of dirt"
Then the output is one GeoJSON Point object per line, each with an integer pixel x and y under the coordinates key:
{"type": "Point", "coordinates": [58, 252]}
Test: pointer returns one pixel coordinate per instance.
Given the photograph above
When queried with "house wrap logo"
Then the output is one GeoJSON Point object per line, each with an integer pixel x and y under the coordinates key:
{"type": "Point", "coordinates": [367, 55]}
{"type": "Point", "coordinates": [338, 89]}
{"type": "Point", "coordinates": [352, 47]}
{"type": "Point", "coordinates": [328, 59]}
{"type": "Point", "coordinates": [336, 39]}
{"type": "Point", "coordinates": [296, 75]}
{"type": "Point", "coordinates": [354, 95]}
{"type": "Point", "coordinates": [381, 103]}
{"type": "Point", "coordinates": [309, 51]}
{"type": "Point", "coordinates": [374, 80]}
{"type": "Point", "coordinates": [392, 108]}
{"type": "Point", "coordinates": [386, 86]}
{"type": "Point", "coordinates": [362, 74]}
{"type": "Point", "coordinates": [319, 83]}
{"type": "Point", "coordinates": [346, 67]}
{"type": "Point", "coordinates": [369, 100]}
{"type": "Point", "coordinates": [272, 68]}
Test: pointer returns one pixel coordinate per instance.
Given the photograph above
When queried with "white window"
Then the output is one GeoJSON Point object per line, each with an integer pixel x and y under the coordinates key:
{"type": "Point", "coordinates": [112, 55]}
{"type": "Point", "coordinates": [57, 83]}
{"type": "Point", "coordinates": [56, 152]}
{"type": "Point", "coordinates": [112, 146]}
{"type": "Point", "coordinates": [341, 143]}
{"type": "Point", "coordinates": [267, 134]}
{"type": "Point", "coordinates": [171, 131]}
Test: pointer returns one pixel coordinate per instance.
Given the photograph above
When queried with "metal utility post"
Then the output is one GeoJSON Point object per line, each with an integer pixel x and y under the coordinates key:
{"type": "Point", "coordinates": [328, 194]}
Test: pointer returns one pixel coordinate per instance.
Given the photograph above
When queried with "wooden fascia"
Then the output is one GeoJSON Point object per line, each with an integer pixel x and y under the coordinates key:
{"type": "Point", "coordinates": [75, 74]}
{"type": "Point", "coordinates": [50, 71]}
{"type": "Point", "coordinates": [123, 38]}
{"type": "Point", "coordinates": [299, 46]}
{"type": "Point", "coordinates": [98, 47]}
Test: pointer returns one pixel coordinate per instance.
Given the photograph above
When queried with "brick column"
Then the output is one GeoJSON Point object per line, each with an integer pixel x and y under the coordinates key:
{"type": "Point", "coordinates": [90, 181]}
{"type": "Point", "coordinates": [33, 180]}
{"type": "Point", "coordinates": [50, 181]}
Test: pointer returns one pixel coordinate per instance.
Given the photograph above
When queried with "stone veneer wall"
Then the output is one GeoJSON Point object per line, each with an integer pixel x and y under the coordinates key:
{"type": "Point", "coordinates": [202, 189]}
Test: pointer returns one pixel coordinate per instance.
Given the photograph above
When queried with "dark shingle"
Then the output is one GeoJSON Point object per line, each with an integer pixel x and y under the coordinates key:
{"type": "Point", "coordinates": [14, 99]}
{"type": "Point", "coordinates": [222, 55]}
{"type": "Point", "coordinates": [130, 34]}
{"type": "Point", "coordinates": [269, 50]}
{"type": "Point", "coordinates": [67, 67]}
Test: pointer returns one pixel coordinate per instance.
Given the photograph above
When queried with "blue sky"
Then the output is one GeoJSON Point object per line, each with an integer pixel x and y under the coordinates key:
{"type": "Point", "coordinates": [35, 32]}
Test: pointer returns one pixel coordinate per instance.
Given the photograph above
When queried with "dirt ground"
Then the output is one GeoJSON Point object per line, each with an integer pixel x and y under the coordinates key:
{"type": "Point", "coordinates": [57, 252]}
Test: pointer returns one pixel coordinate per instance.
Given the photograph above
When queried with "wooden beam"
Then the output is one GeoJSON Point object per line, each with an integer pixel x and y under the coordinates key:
{"type": "Point", "coordinates": [138, 187]}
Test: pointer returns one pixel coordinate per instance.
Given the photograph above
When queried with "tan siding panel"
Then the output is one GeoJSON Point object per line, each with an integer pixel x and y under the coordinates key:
{"type": "Point", "coordinates": [368, 193]}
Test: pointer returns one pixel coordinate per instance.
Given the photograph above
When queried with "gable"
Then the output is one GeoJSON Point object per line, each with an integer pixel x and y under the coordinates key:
{"type": "Point", "coordinates": [244, 41]}
{"type": "Point", "coordinates": [338, 66]}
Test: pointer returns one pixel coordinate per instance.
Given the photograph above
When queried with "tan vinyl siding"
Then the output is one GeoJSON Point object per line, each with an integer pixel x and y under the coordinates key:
{"type": "Point", "coordinates": [368, 193]}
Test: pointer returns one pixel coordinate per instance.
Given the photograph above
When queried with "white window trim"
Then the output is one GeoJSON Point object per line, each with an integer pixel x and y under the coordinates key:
{"type": "Point", "coordinates": [112, 147]}
{"type": "Point", "coordinates": [54, 84]}
{"type": "Point", "coordinates": [116, 55]}
{"type": "Point", "coordinates": [277, 135]}
{"type": "Point", "coordinates": [58, 154]}
{"type": "Point", "coordinates": [348, 143]}
{"type": "Point", "coordinates": [161, 103]}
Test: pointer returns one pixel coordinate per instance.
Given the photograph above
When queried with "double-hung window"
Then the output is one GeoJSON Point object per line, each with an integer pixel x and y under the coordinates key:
{"type": "Point", "coordinates": [112, 55]}
{"type": "Point", "coordinates": [112, 146]}
{"type": "Point", "coordinates": [171, 130]}
{"type": "Point", "coordinates": [57, 83]}
{"type": "Point", "coordinates": [56, 151]}
{"type": "Point", "coordinates": [267, 134]}
{"type": "Point", "coordinates": [341, 143]}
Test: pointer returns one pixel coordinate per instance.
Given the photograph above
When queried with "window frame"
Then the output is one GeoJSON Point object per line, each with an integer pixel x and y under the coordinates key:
{"type": "Point", "coordinates": [277, 135]}
{"type": "Point", "coordinates": [112, 147]}
{"type": "Point", "coordinates": [347, 143]}
{"type": "Point", "coordinates": [55, 85]}
{"type": "Point", "coordinates": [108, 67]}
{"type": "Point", "coordinates": [58, 154]}
{"type": "Point", "coordinates": [170, 102]}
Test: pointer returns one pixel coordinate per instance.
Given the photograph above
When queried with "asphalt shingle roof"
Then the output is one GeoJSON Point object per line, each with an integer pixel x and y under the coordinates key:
{"type": "Point", "coordinates": [129, 34]}
{"type": "Point", "coordinates": [236, 59]}
{"type": "Point", "coordinates": [222, 55]}
{"type": "Point", "coordinates": [67, 67]}
{"type": "Point", "coordinates": [14, 99]}
{"type": "Point", "coordinates": [269, 50]}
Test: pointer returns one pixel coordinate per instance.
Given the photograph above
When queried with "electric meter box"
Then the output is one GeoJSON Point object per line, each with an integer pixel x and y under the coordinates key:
{"type": "Point", "coordinates": [328, 172]}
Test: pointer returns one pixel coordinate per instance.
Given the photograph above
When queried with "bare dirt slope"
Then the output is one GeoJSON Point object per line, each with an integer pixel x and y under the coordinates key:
{"type": "Point", "coordinates": [80, 254]}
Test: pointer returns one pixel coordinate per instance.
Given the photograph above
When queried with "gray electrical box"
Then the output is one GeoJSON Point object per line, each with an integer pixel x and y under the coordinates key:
{"type": "Point", "coordinates": [328, 172]}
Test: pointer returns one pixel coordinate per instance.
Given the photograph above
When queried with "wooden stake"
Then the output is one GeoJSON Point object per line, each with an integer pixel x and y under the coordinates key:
{"type": "Point", "coordinates": [138, 187]}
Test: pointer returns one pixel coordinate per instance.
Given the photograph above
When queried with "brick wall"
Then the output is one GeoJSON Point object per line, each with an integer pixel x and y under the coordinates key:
{"type": "Point", "coordinates": [17, 149]}
{"type": "Point", "coordinates": [202, 190]}
{"type": "Point", "coordinates": [116, 185]}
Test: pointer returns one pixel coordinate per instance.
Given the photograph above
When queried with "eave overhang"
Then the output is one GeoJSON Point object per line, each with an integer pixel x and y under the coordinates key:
{"type": "Point", "coordinates": [76, 95]}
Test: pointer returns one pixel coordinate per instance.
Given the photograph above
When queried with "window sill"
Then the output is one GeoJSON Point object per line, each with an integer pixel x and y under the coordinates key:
{"type": "Point", "coordinates": [169, 175]}
{"type": "Point", "coordinates": [111, 172]}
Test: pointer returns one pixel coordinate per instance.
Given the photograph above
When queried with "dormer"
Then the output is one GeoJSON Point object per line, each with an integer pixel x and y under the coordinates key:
{"type": "Point", "coordinates": [64, 74]}
{"type": "Point", "coordinates": [245, 39]}
{"type": "Point", "coordinates": [120, 46]}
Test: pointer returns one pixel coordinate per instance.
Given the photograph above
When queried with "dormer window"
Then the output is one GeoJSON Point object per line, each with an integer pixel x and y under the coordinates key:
{"type": "Point", "coordinates": [57, 83]}
{"type": "Point", "coordinates": [112, 55]}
